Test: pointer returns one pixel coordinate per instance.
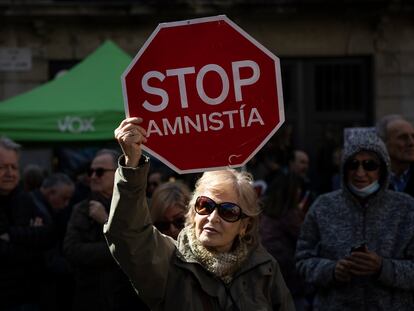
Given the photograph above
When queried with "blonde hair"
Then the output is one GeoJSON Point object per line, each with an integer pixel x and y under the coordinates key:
{"type": "Point", "coordinates": [172, 193]}
{"type": "Point", "coordinates": [241, 183]}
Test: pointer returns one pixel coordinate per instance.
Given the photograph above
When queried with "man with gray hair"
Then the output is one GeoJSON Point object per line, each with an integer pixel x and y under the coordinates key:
{"type": "Point", "coordinates": [9, 165]}
{"type": "Point", "coordinates": [20, 234]}
{"type": "Point", "coordinates": [398, 136]}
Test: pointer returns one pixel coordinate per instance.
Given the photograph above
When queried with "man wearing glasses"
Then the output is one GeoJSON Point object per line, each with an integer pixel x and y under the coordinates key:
{"type": "Point", "coordinates": [357, 244]}
{"type": "Point", "coordinates": [100, 283]}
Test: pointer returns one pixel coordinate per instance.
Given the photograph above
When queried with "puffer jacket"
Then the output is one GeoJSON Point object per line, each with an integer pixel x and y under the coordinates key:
{"type": "Point", "coordinates": [162, 275]}
{"type": "Point", "coordinates": [337, 221]}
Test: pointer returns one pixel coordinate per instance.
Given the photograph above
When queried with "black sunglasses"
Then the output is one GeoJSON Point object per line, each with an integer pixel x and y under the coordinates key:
{"type": "Point", "coordinates": [165, 225]}
{"type": "Point", "coordinates": [99, 171]}
{"type": "Point", "coordinates": [367, 165]}
{"type": "Point", "coordinates": [230, 212]}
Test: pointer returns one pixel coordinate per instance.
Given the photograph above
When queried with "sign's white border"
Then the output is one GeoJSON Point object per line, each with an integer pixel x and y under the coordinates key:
{"type": "Point", "coordinates": [248, 37]}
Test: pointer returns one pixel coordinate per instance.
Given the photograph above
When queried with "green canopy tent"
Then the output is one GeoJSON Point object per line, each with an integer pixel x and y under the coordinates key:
{"type": "Point", "coordinates": [85, 104]}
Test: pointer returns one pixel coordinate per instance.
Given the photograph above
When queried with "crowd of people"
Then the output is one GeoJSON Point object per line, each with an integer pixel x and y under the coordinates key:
{"type": "Point", "coordinates": [134, 237]}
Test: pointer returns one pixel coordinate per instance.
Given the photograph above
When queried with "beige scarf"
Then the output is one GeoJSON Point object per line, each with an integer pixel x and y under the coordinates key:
{"type": "Point", "coordinates": [222, 265]}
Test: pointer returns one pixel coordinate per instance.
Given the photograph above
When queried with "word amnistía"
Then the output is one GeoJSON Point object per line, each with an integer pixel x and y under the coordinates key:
{"type": "Point", "coordinates": [214, 121]}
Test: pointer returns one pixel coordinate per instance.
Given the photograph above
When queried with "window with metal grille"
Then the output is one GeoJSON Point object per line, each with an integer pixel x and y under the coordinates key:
{"type": "Point", "coordinates": [339, 86]}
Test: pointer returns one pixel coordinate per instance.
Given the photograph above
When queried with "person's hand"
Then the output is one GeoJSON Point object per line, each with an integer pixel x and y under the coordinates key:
{"type": "Point", "coordinates": [364, 263]}
{"type": "Point", "coordinates": [130, 136]}
{"type": "Point", "coordinates": [97, 212]}
{"type": "Point", "coordinates": [36, 222]}
{"type": "Point", "coordinates": [342, 272]}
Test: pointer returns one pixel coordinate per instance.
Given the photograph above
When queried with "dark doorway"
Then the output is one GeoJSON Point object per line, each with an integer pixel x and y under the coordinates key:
{"type": "Point", "coordinates": [322, 97]}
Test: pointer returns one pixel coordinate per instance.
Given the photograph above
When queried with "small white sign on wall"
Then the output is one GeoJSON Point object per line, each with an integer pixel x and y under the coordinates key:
{"type": "Point", "coordinates": [15, 59]}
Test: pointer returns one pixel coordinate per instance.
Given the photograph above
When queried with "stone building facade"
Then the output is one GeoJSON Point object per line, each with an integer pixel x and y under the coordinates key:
{"type": "Point", "coordinates": [344, 62]}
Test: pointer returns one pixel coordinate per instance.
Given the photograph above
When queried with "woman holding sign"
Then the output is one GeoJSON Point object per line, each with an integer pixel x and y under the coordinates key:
{"type": "Point", "coordinates": [217, 262]}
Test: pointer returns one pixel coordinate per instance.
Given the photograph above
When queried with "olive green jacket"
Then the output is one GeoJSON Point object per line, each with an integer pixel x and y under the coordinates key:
{"type": "Point", "coordinates": [164, 279]}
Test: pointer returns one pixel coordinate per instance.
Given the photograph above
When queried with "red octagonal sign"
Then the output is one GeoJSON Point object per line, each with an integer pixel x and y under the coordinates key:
{"type": "Point", "coordinates": [209, 94]}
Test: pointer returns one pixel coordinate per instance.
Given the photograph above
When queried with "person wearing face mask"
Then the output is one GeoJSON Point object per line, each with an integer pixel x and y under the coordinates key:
{"type": "Point", "coordinates": [356, 245]}
{"type": "Point", "coordinates": [217, 262]}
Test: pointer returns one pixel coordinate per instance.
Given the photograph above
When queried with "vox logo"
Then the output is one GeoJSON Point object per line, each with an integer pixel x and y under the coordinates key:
{"type": "Point", "coordinates": [76, 124]}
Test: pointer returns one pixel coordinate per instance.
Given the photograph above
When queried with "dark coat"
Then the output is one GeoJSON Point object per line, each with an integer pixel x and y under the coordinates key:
{"type": "Point", "coordinates": [22, 255]}
{"type": "Point", "coordinates": [162, 272]}
{"type": "Point", "coordinates": [279, 237]}
{"type": "Point", "coordinates": [100, 283]}
{"type": "Point", "coordinates": [409, 188]}
{"type": "Point", "coordinates": [56, 281]}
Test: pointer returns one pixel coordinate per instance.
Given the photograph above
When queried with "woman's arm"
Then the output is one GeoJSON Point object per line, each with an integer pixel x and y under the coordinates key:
{"type": "Point", "coordinates": [142, 252]}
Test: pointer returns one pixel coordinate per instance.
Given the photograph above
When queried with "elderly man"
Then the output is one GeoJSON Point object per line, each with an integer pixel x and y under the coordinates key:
{"type": "Point", "coordinates": [22, 237]}
{"type": "Point", "coordinates": [54, 194]}
{"type": "Point", "coordinates": [398, 135]}
{"type": "Point", "coordinates": [9, 180]}
{"type": "Point", "coordinates": [100, 283]}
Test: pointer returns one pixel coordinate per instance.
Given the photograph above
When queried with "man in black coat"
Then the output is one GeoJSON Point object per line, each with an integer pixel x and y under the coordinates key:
{"type": "Point", "coordinates": [100, 283]}
{"type": "Point", "coordinates": [22, 235]}
{"type": "Point", "coordinates": [56, 281]}
{"type": "Point", "coordinates": [398, 135]}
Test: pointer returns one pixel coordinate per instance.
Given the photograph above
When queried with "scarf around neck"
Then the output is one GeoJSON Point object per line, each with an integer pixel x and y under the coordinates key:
{"type": "Point", "coordinates": [222, 265]}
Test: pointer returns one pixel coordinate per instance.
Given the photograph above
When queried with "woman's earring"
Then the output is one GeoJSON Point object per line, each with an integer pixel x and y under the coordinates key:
{"type": "Point", "coordinates": [242, 234]}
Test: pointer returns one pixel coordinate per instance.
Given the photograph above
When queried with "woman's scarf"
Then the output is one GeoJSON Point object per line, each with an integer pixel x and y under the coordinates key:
{"type": "Point", "coordinates": [222, 265]}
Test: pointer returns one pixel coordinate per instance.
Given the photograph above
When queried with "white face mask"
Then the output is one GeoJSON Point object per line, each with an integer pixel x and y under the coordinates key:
{"type": "Point", "coordinates": [364, 192]}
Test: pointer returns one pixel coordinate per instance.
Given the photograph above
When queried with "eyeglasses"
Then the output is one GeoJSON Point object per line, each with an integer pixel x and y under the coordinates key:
{"type": "Point", "coordinates": [8, 167]}
{"type": "Point", "coordinates": [165, 225]}
{"type": "Point", "coordinates": [99, 171]}
{"type": "Point", "coordinates": [230, 212]}
{"type": "Point", "coordinates": [367, 165]}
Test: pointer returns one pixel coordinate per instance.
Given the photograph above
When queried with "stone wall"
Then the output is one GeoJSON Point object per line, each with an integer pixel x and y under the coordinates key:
{"type": "Point", "coordinates": [72, 32]}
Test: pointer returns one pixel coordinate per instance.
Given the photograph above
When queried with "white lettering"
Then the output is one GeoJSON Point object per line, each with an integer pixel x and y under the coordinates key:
{"type": "Point", "coordinates": [76, 124]}
{"type": "Point", "coordinates": [215, 121]}
{"type": "Point", "coordinates": [242, 116]}
{"type": "Point", "coordinates": [155, 91]}
{"type": "Point", "coordinates": [230, 114]}
{"type": "Point", "coordinates": [205, 126]}
{"type": "Point", "coordinates": [252, 117]}
{"type": "Point", "coordinates": [224, 80]}
{"type": "Point", "coordinates": [195, 125]}
{"type": "Point", "coordinates": [238, 82]}
{"type": "Point", "coordinates": [88, 125]}
{"type": "Point", "coordinates": [177, 125]}
{"type": "Point", "coordinates": [153, 128]}
{"type": "Point", "coordinates": [180, 73]}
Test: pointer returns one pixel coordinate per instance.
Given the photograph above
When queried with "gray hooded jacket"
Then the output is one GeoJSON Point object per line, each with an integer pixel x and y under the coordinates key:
{"type": "Point", "coordinates": [337, 221]}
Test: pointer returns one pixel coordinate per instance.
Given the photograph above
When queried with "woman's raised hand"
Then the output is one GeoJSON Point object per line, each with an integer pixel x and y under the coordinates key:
{"type": "Point", "coordinates": [130, 136]}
